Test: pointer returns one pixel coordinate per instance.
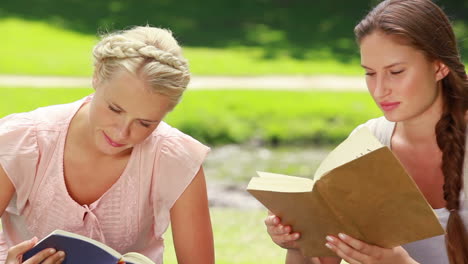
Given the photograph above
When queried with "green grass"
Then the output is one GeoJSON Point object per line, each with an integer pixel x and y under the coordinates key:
{"type": "Point", "coordinates": [240, 238]}
{"type": "Point", "coordinates": [38, 48]}
{"type": "Point", "coordinates": [238, 116]}
{"type": "Point", "coordinates": [243, 37]}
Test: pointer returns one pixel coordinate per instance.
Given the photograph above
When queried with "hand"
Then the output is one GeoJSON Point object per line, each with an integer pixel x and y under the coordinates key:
{"type": "Point", "coordinates": [358, 252]}
{"type": "Point", "coordinates": [281, 234]}
{"type": "Point", "coordinates": [46, 256]}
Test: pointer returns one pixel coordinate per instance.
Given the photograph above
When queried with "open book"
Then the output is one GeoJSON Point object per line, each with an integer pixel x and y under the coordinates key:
{"type": "Point", "coordinates": [360, 189]}
{"type": "Point", "coordinates": [80, 249]}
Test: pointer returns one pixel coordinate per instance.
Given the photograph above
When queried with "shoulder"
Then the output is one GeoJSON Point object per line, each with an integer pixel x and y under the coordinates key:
{"type": "Point", "coordinates": [42, 117]}
{"type": "Point", "coordinates": [177, 159]}
{"type": "Point", "coordinates": [173, 142]}
{"type": "Point", "coordinates": [380, 127]}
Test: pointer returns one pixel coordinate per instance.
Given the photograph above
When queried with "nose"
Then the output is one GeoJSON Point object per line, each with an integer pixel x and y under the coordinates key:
{"type": "Point", "coordinates": [124, 129]}
{"type": "Point", "coordinates": [380, 87]}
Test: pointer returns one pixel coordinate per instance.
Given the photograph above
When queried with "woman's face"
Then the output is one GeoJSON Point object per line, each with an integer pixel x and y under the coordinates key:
{"type": "Point", "coordinates": [124, 112]}
{"type": "Point", "coordinates": [401, 80]}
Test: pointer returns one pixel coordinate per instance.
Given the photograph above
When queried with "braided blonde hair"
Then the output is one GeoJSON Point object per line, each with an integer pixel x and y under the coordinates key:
{"type": "Point", "coordinates": [148, 52]}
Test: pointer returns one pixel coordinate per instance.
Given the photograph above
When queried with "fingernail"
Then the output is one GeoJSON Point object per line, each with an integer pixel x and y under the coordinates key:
{"type": "Point", "coordinates": [329, 238]}
{"type": "Point", "coordinates": [33, 240]}
{"type": "Point", "coordinates": [342, 236]}
{"type": "Point", "coordinates": [61, 254]}
{"type": "Point", "coordinates": [328, 245]}
{"type": "Point", "coordinates": [52, 250]}
{"type": "Point", "coordinates": [296, 236]}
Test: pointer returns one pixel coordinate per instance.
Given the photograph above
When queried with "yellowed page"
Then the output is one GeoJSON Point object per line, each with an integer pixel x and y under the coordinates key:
{"type": "Point", "coordinates": [356, 145]}
{"type": "Point", "coordinates": [280, 183]}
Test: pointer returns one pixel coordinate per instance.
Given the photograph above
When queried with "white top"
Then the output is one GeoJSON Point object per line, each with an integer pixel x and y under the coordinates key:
{"type": "Point", "coordinates": [431, 250]}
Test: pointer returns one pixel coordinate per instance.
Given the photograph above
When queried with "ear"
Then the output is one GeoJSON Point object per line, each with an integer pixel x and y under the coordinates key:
{"type": "Point", "coordinates": [441, 70]}
{"type": "Point", "coordinates": [95, 81]}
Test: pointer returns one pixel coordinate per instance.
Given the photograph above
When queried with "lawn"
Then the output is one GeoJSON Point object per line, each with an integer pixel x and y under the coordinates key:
{"type": "Point", "coordinates": [218, 117]}
{"type": "Point", "coordinates": [243, 37]}
{"type": "Point", "coordinates": [240, 238]}
{"type": "Point", "coordinates": [63, 52]}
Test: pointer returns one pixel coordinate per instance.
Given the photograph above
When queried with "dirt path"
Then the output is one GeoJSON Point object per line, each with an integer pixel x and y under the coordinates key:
{"type": "Point", "coordinates": [329, 82]}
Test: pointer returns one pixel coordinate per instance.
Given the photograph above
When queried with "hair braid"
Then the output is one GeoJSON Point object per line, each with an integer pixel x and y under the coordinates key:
{"type": "Point", "coordinates": [150, 53]}
{"type": "Point", "coordinates": [426, 27]}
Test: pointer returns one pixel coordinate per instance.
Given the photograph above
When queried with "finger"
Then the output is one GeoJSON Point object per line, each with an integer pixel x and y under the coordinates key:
{"type": "Point", "coordinates": [286, 238]}
{"type": "Point", "coordinates": [341, 254]}
{"type": "Point", "coordinates": [272, 220]}
{"type": "Point", "coordinates": [22, 247]}
{"type": "Point", "coordinates": [40, 256]}
{"type": "Point", "coordinates": [358, 245]}
{"type": "Point", "coordinates": [347, 251]}
{"type": "Point", "coordinates": [315, 260]}
{"type": "Point", "coordinates": [292, 237]}
{"type": "Point", "coordinates": [281, 229]}
{"type": "Point", "coordinates": [286, 241]}
{"type": "Point", "coordinates": [56, 258]}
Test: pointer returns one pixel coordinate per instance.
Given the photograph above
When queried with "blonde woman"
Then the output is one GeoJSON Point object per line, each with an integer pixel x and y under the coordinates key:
{"type": "Point", "coordinates": [108, 166]}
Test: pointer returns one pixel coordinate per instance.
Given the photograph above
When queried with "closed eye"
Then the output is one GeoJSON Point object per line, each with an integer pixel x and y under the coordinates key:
{"type": "Point", "coordinates": [370, 73]}
{"type": "Point", "coordinates": [397, 72]}
{"type": "Point", "coordinates": [115, 110]}
{"type": "Point", "coordinates": [145, 124]}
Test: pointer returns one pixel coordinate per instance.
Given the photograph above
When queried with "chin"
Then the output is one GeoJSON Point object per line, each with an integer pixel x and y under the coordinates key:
{"type": "Point", "coordinates": [393, 117]}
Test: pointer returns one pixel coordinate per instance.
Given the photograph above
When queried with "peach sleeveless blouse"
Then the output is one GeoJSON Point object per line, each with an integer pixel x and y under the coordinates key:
{"type": "Point", "coordinates": [131, 216]}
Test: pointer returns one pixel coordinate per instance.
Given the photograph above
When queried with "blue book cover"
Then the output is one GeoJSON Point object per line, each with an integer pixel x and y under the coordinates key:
{"type": "Point", "coordinates": [80, 249]}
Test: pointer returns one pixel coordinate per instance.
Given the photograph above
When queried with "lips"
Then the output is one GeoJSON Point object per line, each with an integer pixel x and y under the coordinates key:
{"type": "Point", "coordinates": [389, 106]}
{"type": "Point", "coordinates": [112, 143]}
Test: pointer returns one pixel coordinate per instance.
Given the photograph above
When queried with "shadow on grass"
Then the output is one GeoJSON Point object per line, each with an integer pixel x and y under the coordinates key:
{"type": "Point", "coordinates": [299, 28]}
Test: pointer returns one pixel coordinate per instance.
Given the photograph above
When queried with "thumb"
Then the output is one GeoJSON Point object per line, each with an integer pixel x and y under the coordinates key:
{"type": "Point", "coordinates": [22, 247]}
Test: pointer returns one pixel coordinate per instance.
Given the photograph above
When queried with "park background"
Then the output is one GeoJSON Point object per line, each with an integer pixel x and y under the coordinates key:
{"type": "Point", "coordinates": [280, 130]}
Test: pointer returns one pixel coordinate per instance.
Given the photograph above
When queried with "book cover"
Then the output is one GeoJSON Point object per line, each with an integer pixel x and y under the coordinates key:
{"type": "Point", "coordinates": [80, 249]}
{"type": "Point", "coordinates": [360, 189]}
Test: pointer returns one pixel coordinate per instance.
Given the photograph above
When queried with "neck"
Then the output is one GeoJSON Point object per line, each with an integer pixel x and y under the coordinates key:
{"type": "Point", "coordinates": [421, 129]}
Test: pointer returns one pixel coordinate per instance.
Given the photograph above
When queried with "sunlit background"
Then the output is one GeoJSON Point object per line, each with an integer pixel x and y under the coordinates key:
{"type": "Point", "coordinates": [283, 130]}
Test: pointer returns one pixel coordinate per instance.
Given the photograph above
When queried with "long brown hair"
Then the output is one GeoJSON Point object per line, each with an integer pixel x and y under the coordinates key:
{"type": "Point", "coordinates": [424, 26]}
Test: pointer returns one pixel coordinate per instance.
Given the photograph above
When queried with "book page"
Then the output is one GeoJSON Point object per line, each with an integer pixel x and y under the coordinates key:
{"type": "Point", "coordinates": [280, 183]}
{"type": "Point", "coordinates": [356, 145]}
{"type": "Point", "coordinates": [136, 258]}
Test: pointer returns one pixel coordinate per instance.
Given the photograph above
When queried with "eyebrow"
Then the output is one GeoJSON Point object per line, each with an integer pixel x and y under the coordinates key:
{"type": "Point", "coordinates": [141, 119]}
{"type": "Point", "coordinates": [386, 67]}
